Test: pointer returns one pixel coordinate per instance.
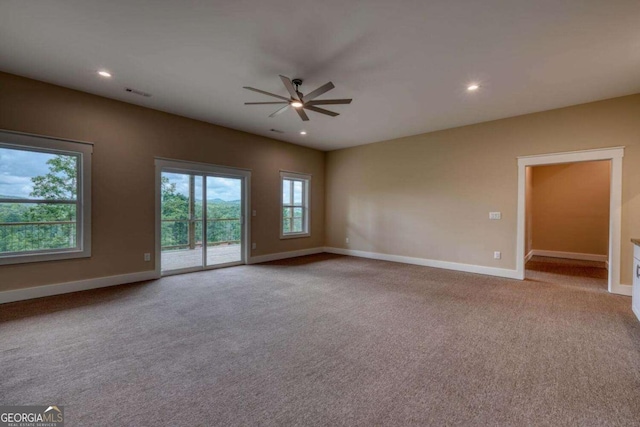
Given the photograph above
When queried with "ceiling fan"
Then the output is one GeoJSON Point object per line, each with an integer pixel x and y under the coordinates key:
{"type": "Point", "coordinates": [299, 101]}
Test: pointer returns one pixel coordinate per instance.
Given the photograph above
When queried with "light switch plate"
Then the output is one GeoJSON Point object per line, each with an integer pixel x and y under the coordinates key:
{"type": "Point", "coordinates": [495, 215]}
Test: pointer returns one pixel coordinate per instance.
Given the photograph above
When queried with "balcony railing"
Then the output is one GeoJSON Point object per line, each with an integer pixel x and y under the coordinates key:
{"type": "Point", "coordinates": [176, 234]}
{"type": "Point", "coordinates": [187, 234]}
{"type": "Point", "coordinates": [34, 236]}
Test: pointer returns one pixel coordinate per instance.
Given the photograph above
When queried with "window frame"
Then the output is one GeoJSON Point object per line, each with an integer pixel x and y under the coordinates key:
{"type": "Point", "coordinates": [306, 204]}
{"type": "Point", "coordinates": [45, 144]}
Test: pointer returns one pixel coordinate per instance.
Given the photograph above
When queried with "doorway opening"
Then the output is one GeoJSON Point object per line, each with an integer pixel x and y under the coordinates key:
{"type": "Point", "coordinates": [614, 158]}
{"type": "Point", "coordinates": [567, 223]}
{"type": "Point", "coordinates": [201, 216]}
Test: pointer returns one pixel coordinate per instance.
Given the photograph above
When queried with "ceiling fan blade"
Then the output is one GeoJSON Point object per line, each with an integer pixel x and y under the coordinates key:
{"type": "Point", "coordinates": [280, 111]}
{"type": "Point", "coordinates": [289, 86]}
{"type": "Point", "coordinates": [322, 89]}
{"type": "Point", "coordinates": [265, 93]}
{"type": "Point", "coordinates": [302, 114]}
{"type": "Point", "coordinates": [321, 110]}
{"type": "Point", "coordinates": [265, 103]}
{"type": "Point", "coordinates": [329, 101]}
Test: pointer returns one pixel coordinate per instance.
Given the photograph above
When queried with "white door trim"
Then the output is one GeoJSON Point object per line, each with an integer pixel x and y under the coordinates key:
{"type": "Point", "coordinates": [162, 164]}
{"type": "Point", "coordinates": [615, 155]}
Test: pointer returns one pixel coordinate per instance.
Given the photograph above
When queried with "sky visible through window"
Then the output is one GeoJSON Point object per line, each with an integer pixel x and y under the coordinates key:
{"type": "Point", "coordinates": [226, 189]}
{"type": "Point", "coordinates": [17, 167]}
{"type": "Point", "coordinates": [297, 192]}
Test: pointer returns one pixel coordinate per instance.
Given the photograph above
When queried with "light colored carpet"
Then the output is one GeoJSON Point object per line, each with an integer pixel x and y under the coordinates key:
{"type": "Point", "coordinates": [329, 340]}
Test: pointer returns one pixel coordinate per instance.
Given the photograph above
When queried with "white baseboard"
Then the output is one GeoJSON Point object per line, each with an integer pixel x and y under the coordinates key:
{"type": "Point", "coordinates": [284, 255]}
{"type": "Point", "coordinates": [528, 257]}
{"type": "Point", "coordinates": [636, 311]}
{"type": "Point", "coordinates": [80, 285]}
{"type": "Point", "coordinates": [469, 268]}
{"type": "Point", "coordinates": [622, 290]}
{"type": "Point", "coordinates": [569, 255]}
{"type": "Point", "coordinates": [101, 282]}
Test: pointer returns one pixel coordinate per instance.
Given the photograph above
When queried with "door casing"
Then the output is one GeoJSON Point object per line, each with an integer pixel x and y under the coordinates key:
{"type": "Point", "coordinates": [615, 155]}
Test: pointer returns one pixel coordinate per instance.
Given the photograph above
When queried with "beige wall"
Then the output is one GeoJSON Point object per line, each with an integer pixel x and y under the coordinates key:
{"type": "Point", "coordinates": [570, 207]}
{"type": "Point", "coordinates": [127, 138]}
{"type": "Point", "coordinates": [425, 196]}
{"type": "Point", "coordinates": [429, 196]}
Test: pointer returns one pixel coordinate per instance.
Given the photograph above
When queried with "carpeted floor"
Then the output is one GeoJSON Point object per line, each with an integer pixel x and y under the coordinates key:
{"type": "Point", "coordinates": [330, 340]}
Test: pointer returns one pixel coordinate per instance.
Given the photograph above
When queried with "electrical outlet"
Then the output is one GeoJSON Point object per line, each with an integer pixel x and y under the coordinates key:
{"type": "Point", "coordinates": [147, 256]}
{"type": "Point", "coordinates": [347, 240]}
{"type": "Point", "coordinates": [497, 255]}
{"type": "Point", "coordinates": [253, 213]}
{"type": "Point", "coordinates": [495, 215]}
{"type": "Point", "coordinates": [253, 246]}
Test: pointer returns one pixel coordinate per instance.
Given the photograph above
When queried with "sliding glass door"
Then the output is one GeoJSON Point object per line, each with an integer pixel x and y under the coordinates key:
{"type": "Point", "coordinates": [202, 214]}
{"type": "Point", "coordinates": [223, 220]}
{"type": "Point", "coordinates": [181, 222]}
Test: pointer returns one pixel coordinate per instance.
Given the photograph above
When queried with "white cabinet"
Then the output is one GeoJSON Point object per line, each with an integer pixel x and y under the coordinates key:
{"type": "Point", "coordinates": [635, 299]}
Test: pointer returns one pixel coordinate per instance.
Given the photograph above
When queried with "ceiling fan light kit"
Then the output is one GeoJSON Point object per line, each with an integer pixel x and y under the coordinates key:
{"type": "Point", "coordinates": [299, 101]}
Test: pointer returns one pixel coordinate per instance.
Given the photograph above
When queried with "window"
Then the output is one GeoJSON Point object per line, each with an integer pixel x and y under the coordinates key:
{"type": "Point", "coordinates": [295, 205]}
{"type": "Point", "coordinates": [45, 198]}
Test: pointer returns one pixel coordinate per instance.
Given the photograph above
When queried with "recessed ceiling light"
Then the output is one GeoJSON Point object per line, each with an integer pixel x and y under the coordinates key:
{"type": "Point", "coordinates": [104, 73]}
{"type": "Point", "coordinates": [472, 87]}
{"type": "Point", "coordinates": [303, 132]}
{"type": "Point", "coordinates": [296, 104]}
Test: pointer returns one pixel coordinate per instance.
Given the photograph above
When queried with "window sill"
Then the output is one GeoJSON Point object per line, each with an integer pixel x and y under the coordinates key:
{"type": "Point", "coordinates": [43, 257]}
{"type": "Point", "coordinates": [294, 235]}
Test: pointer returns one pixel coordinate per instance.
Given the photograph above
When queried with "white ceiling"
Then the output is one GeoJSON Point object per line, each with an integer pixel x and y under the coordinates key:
{"type": "Point", "coordinates": [406, 63]}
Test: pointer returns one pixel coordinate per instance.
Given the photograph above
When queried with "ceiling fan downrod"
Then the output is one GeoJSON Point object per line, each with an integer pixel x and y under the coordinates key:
{"type": "Point", "coordinates": [297, 83]}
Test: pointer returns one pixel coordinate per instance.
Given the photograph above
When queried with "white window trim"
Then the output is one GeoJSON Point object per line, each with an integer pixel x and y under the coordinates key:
{"type": "Point", "coordinates": [24, 141]}
{"type": "Point", "coordinates": [307, 203]}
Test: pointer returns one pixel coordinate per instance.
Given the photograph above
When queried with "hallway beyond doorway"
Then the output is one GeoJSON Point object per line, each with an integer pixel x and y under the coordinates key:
{"type": "Point", "coordinates": [585, 275]}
